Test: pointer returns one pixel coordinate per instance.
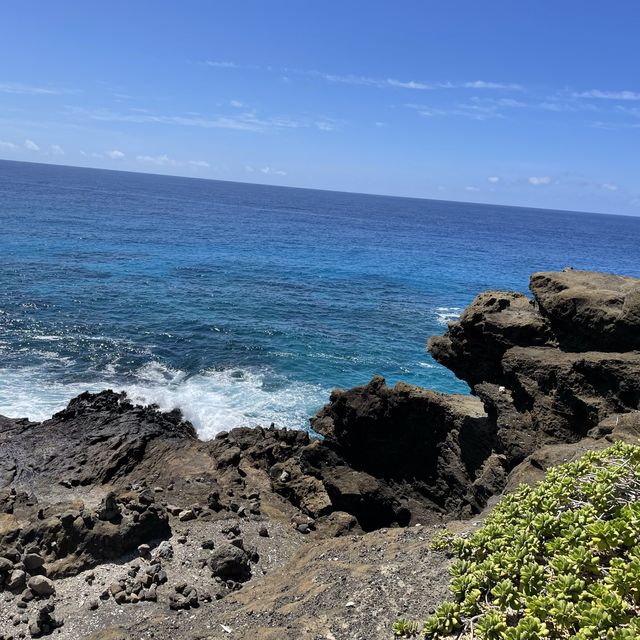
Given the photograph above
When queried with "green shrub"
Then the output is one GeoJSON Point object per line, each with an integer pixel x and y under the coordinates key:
{"type": "Point", "coordinates": [558, 560]}
{"type": "Point", "coordinates": [442, 540]}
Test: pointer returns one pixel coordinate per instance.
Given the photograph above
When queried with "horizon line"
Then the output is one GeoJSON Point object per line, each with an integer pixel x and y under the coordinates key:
{"type": "Point", "coordinates": [357, 193]}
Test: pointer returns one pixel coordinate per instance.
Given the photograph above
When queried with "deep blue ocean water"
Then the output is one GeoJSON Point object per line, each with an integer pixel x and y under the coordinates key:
{"type": "Point", "coordinates": [246, 304]}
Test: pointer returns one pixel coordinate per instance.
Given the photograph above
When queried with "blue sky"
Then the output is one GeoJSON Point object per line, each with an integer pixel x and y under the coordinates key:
{"type": "Point", "coordinates": [533, 103]}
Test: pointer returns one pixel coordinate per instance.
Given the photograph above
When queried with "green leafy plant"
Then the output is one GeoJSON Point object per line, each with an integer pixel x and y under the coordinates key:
{"type": "Point", "coordinates": [442, 541]}
{"type": "Point", "coordinates": [558, 560]}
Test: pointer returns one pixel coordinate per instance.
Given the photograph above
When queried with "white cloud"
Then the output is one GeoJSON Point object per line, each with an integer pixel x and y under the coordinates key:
{"type": "Point", "coordinates": [351, 79]}
{"type": "Point", "coordinates": [482, 84]}
{"type": "Point", "coordinates": [237, 104]}
{"type": "Point", "coordinates": [31, 145]}
{"type": "Point", "coordinates": [411, 84]}
{"type": "Point", "coordinates": [115, 154]}
{"type": "Point", "coordinates": [269, 170]}
{"type": "Point", "coordinates": [17, 88]}
{"type": "Point", "coordinates": [553, 104]}
{"type": "Point", "coordinates": [221, 64]}
{"type": "Point", "coordinates": [608, 95]}
{"type": "Point", "coordinates": [473, 111]}
{"type": "Point", "coordinates": [160, 160]}
{"type": "Point", "coordinates": [248, 168]}
{"type": "Point", "coordinates": [470, 188]}
{"type": "Point", "coordinates": [325, 125]}
{"type": "Point", "coordinates": [539, 180]}
{"type": "Point", "coordinates": [609, 186]}
{"type": "Point", "coordinates": [614, 126]}
{"type": "Point", "coordinates": [7, 145]}
{"type": "Point", "coordinates": [164, 160]}
{"type": "Point", "coordinates": [245, 121]}
{"type": "Point", "coordinates": [493, 179]}
{"type": "Point", "coordinates": [372, 82]}
{"type": "Point", "coordinates": [57, 150]}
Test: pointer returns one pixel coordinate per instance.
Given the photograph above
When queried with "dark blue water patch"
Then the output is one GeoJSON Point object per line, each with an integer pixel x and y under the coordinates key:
{"type": "Point", "coordinates": [245, 303]}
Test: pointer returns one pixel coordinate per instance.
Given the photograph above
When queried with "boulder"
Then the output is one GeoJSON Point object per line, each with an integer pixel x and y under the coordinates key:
{"type": "Point", "coordinates": [17, 581]}
{"type": "Point", "coordinates": [33, 562]}
{"type": "Point", "coordinates": [229, 562]}
{"type": "Point", "coordinates": [41, 586]}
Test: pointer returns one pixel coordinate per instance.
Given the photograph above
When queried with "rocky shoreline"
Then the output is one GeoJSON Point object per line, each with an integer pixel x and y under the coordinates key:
{"type": "Point", "coordinates": [116, 522]}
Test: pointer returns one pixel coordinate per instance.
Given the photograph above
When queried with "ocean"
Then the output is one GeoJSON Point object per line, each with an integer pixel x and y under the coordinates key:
{"type": "Point", "coordinates": [244, 304]}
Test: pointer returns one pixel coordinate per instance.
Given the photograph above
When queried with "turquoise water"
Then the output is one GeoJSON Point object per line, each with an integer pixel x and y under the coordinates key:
{"type": "Point", "coordinates": [246, 304]}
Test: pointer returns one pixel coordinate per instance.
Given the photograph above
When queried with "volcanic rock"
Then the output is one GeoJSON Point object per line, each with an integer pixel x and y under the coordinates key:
{"type": "Point", "coordinates": [42, 586]}
{"type": "Point", "coordinates": [230, 562]}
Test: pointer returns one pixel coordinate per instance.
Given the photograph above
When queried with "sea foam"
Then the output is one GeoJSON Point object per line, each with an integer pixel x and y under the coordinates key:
{"type": "Point", "coordinates": [213, 401]}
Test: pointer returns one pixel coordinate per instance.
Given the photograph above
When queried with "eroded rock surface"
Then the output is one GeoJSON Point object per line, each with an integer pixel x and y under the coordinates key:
{"type": "Point", "coordinates": [590, 311]}
{"type": "Point", "coordinates": [549, 369]}
{"type": "Point", "coordinates": [96, 439]}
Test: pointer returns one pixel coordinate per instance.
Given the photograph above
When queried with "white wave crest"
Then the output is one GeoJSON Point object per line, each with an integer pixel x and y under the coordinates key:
{"type": "Point", "coordinates": [213, 401]}
{"type": "Point", "coordinates": [444, 315]}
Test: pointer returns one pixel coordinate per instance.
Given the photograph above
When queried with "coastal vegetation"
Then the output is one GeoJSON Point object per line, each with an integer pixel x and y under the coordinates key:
{"type": "Point", "coordinates": [557, 560]}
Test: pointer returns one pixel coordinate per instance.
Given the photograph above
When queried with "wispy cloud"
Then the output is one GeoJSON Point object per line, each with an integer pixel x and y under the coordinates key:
{"type": "Point", "coordinates": [614, 126]}
{"type": "Point", "coordinates": [164, 160]}
{"type": "Point", "coordinates": [484, 107]}
{"type": "Point", "coordinates": [243, 121]}
{"type": "Point", "coordinates": [325, 125]}
{"type": "Point", "coordinates": [57, 150]}
{"type": "Point", "coordinates": [160, 160]}
{"type": "Point", "coordinates": [8, 145]}
{"type": "Point", "coordinates": [562, 180]}
{"type": "Point", "coordinates": [631, 111]}
{"type": "Point", "coordinates": [30, 145]}
{"type": "Point", "coordinates": [483, 84]}
{"type": "Point", "coordinates": [350, 79]}
{"type": "Point", "coordinates": [25, 89]}
{"type": "Point", "coordinates": [276, 172]}
{"type": "Point", "coordinates": [410, 84]}
{"type": "Point", "coordinates": [419, 85]}
{"type": "Point", "coordinates": [368, 81]}
{"type": "Point", "coordinates": [538, 181]}
{"type": "Point", "coordinates": [473, 111]}
{"type": "Point", "coordinates": [608, 95]}
{"type": "Point", "coordinates": [221, 64]}
{"type": "Point", "coordinates": [115, 154]}
{"type": "Point", "coordinates": [563, 106]}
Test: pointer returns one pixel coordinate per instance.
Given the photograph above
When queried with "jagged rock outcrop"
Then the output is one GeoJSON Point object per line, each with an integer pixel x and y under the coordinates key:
{"type": "Point", "coordinates": [431, 447]}
{"type": "Point", "coordinates": [548, 370]}
{"type": "Point", "coordinates": [96, 439]}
